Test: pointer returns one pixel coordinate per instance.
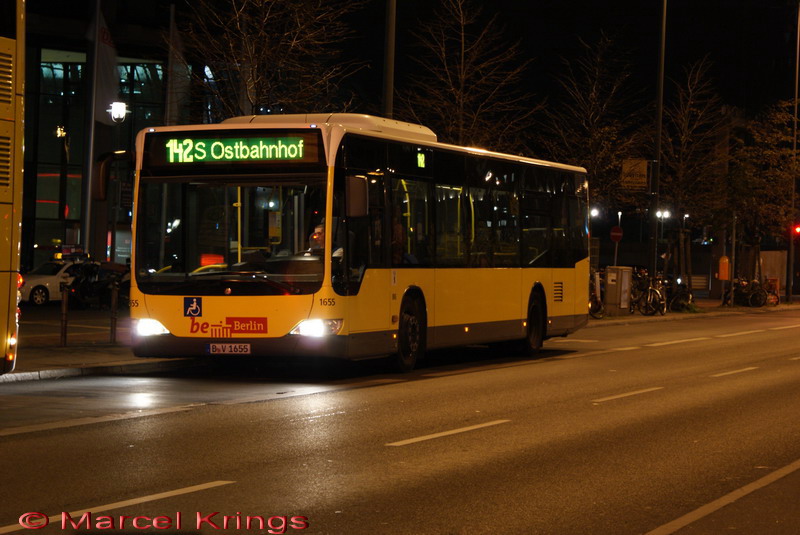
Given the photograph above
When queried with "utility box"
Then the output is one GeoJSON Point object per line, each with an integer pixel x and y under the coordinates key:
{"type": "Point", "coordinates": [618, 290]}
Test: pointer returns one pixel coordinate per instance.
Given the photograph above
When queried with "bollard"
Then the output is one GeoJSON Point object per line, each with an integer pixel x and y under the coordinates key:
{"type": "Point", "coordinates": [64, 307]}
{"type": "Point", "coordinates": [114, 301]}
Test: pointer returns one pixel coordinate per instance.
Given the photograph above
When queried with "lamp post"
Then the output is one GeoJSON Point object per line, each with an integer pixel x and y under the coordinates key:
{"type": "Point", "coordinates": [662, 215]}
{"type": "Point", "coordinates": [790, 263]}
{"type": "Point", "coordinates": [654, 189]}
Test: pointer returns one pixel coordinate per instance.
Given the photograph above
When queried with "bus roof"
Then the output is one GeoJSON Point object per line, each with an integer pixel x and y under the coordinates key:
{"type": "Point", "coordinates": [381, 127]}
{"type": "Point", "coordinates": [349, 121]}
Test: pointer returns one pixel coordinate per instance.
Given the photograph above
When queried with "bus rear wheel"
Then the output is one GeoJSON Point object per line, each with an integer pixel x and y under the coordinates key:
{"type": "Point", "coordinates": [535, 330]}
{"type": "Point", "coordinates": [410, 335]}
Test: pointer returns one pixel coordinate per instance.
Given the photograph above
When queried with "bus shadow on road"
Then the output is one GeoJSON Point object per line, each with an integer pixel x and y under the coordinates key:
{"type": "Point", "coordinates": [325, 371]}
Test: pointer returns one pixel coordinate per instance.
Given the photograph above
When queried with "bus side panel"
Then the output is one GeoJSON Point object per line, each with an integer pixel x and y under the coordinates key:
{"type": "Point", "coordinates": [9, 296]}
{"type": "Point", "coordinates": [368, 316]}
{"type": "Point", "coordinates": [476, 305]}
{"type": "Point", "coordinates": [402, 280]}
{"type": "Point", "coordinates": [530, 278]}
{"type": "Point", "coordinates": [8, 318]}
{"type": "Point", "coordinates": [566, 295]}
{"type": "Point", "coordinates": [369, 311]}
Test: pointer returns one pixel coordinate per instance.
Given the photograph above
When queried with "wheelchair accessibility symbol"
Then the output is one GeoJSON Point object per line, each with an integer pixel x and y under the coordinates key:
{"type": "Point", "coordinates": [192, 306]}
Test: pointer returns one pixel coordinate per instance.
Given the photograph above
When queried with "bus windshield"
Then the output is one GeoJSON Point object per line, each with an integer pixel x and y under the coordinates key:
{"type": "Point", "coordinates": [262, 237]}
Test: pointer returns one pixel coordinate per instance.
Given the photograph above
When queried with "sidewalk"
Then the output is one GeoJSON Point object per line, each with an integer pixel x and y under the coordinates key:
{"type": "Point", "coordinates": [89, 351]}
{"type": "Point", "coordinates": [705, 307]}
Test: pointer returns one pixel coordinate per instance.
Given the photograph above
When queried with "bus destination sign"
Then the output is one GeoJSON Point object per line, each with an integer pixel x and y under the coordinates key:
{"type": "Point", "coordinates": [195, 150]}
{"type": "Point", "coordinates": [188, 150]}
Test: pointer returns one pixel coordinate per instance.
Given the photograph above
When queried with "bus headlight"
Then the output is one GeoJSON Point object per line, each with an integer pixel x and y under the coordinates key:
{"type": "Point", "coordinates": [317, 328]}
{"type": "Point", "coordinates": [150, 327]}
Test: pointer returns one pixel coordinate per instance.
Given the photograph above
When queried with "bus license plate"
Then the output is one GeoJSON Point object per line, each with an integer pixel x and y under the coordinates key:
{"type": "Point", "coordinates": [228, 349]}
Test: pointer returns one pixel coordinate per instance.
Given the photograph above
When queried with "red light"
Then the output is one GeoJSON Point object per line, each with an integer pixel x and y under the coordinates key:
{"type": "Point", "coordinates": [797, 229]}
{"type": "Point", "coordinates": [207, 259]}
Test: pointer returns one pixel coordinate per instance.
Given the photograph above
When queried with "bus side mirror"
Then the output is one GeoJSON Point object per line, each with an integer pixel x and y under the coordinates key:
{"type": "Point", "coordinates": [357, 196]}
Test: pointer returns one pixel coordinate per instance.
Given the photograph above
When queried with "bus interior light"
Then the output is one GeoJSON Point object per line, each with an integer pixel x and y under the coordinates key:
{"type": "Point", "coordinates": [318, 327]}
{"type": "Point", "coordinates": [150, 327]}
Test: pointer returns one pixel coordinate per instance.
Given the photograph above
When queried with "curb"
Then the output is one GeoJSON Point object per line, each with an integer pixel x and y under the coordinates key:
{"type": "Point", "coordinates": [110, 369]}
{"type": "Point", "coordinates": [634, 318]}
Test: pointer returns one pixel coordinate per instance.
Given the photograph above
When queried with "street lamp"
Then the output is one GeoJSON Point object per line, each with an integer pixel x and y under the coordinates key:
{"type": "Point", "coordinates": [118, 111]}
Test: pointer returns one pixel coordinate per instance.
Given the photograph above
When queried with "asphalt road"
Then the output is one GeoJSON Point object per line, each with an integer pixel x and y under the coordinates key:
{"type": "Point", "coordinates": [626, 429]}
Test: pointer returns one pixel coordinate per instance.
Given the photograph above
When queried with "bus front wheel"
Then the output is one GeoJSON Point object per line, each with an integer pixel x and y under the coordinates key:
{"type": "Point", "coordinates": [410, 335]}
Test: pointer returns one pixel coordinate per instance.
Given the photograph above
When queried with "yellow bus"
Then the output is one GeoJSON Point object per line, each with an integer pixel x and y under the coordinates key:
{"type": "Point", "coordinates": [349, 236]}
{"type": "Point", "coordinates": [12, 91]}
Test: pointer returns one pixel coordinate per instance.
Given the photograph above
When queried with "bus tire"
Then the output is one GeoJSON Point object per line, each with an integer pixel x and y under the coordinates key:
{"type": "Point", "coordinates": [410, 335]}
{"type": "Point", "coordinates": [535, 329]}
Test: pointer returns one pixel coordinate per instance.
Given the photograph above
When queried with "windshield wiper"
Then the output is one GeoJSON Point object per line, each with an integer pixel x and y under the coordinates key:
{"type": "Point", "coordinates": [248, 276]}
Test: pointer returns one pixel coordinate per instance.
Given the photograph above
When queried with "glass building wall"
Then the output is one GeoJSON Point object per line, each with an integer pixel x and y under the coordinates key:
{"type": "Point", "coordinates": [56, 108]}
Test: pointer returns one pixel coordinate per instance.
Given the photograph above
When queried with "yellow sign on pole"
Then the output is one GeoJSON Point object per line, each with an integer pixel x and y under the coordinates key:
{"type": "Point", "coordinates": [634, 175]}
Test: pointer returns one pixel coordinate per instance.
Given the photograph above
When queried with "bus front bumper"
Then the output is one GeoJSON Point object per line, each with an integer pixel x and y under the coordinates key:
{"type": "Point", "coordinates": [168, 345]}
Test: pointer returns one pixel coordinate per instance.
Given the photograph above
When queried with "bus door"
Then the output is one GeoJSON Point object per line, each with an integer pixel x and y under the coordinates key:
{"type": "Point", "coordinates": [359, 274]}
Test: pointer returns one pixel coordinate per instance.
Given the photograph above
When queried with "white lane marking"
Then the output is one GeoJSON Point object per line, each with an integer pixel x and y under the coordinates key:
{"type": "Point", "coordinates": [567, 340]}
{"type": "Point", "coordinates": [784, 327]}
{"type": "Point", "coordinates": [93, 420]}
{"type": "Point", "coordinates": [709, 508]}
{"type": "Point", "coordinates": [125, 503]}
{"type": "Point", "coordinates": [595, 353]}
{"type": "Point", "coordinates": [739, 333]}
{"type": "Point", "coordinates": [658, 344]}
{"type": "Point", "coordinates": [446, 433]}
{"type": "Point", "coordinates": [627, 394]}
{"type": "Point", "coordinates": [723, 374]}
{"type": "Point", "coordinates": [795, 358]}
{"type": "Point", "coordinates": [582, 355]}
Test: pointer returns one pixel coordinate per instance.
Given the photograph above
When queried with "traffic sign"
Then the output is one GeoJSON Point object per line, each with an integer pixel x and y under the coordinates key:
{"type": "Point", "coordinates": [616, 234]}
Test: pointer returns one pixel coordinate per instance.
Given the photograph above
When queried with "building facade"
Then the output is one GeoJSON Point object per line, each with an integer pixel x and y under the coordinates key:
{"type": "Point", "coordinates": [58, 123]}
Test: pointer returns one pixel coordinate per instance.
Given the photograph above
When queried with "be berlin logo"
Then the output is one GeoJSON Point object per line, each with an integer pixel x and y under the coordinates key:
{"type": "Point", "coordinates": [276, 524]}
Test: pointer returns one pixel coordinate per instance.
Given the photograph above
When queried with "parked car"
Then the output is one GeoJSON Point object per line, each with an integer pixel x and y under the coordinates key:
{"type": "Point", "coordinates": [43, 284]}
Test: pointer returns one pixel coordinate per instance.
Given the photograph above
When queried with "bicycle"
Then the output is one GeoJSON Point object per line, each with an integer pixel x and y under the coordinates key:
{"type": "Point", "coordinates": [773, 298]}
{"type": "Point", "coordinates": [682, 297]}
{"type": "Point", "coordinates": [639, 285]}
{"type": "Point", "coordinates": [653, 299]}
{"type": "Point", "coordinates": [648, 294]}
{"type": "Point", "coordinates": [746, 293]}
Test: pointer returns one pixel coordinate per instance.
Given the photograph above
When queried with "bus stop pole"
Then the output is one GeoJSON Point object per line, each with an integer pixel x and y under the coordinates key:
{"type": "Point", "coordinates": [114, 301]}
{"type": "Point", "coordinates": [64, 308]}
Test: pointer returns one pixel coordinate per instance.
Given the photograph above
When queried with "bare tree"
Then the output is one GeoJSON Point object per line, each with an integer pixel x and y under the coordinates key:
{"type": "Point", "coordinates": [694, 153]}
{"type": "Point", "coordinates": [468, 85]}
{"type": "Point", "coordinates": [261, 56]}
{"type": "Point", "coordinates": [759, 185]}
{"type": "Point", "coordinates": [589, 124]}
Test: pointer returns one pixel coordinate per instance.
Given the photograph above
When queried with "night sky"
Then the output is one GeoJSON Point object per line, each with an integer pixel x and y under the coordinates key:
{"type": "Point", "coordinates": [750, 43]}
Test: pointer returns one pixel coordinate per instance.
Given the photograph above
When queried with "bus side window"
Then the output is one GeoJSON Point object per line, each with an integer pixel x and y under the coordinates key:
{"type": "Point", "coordinates": [411, 222]}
